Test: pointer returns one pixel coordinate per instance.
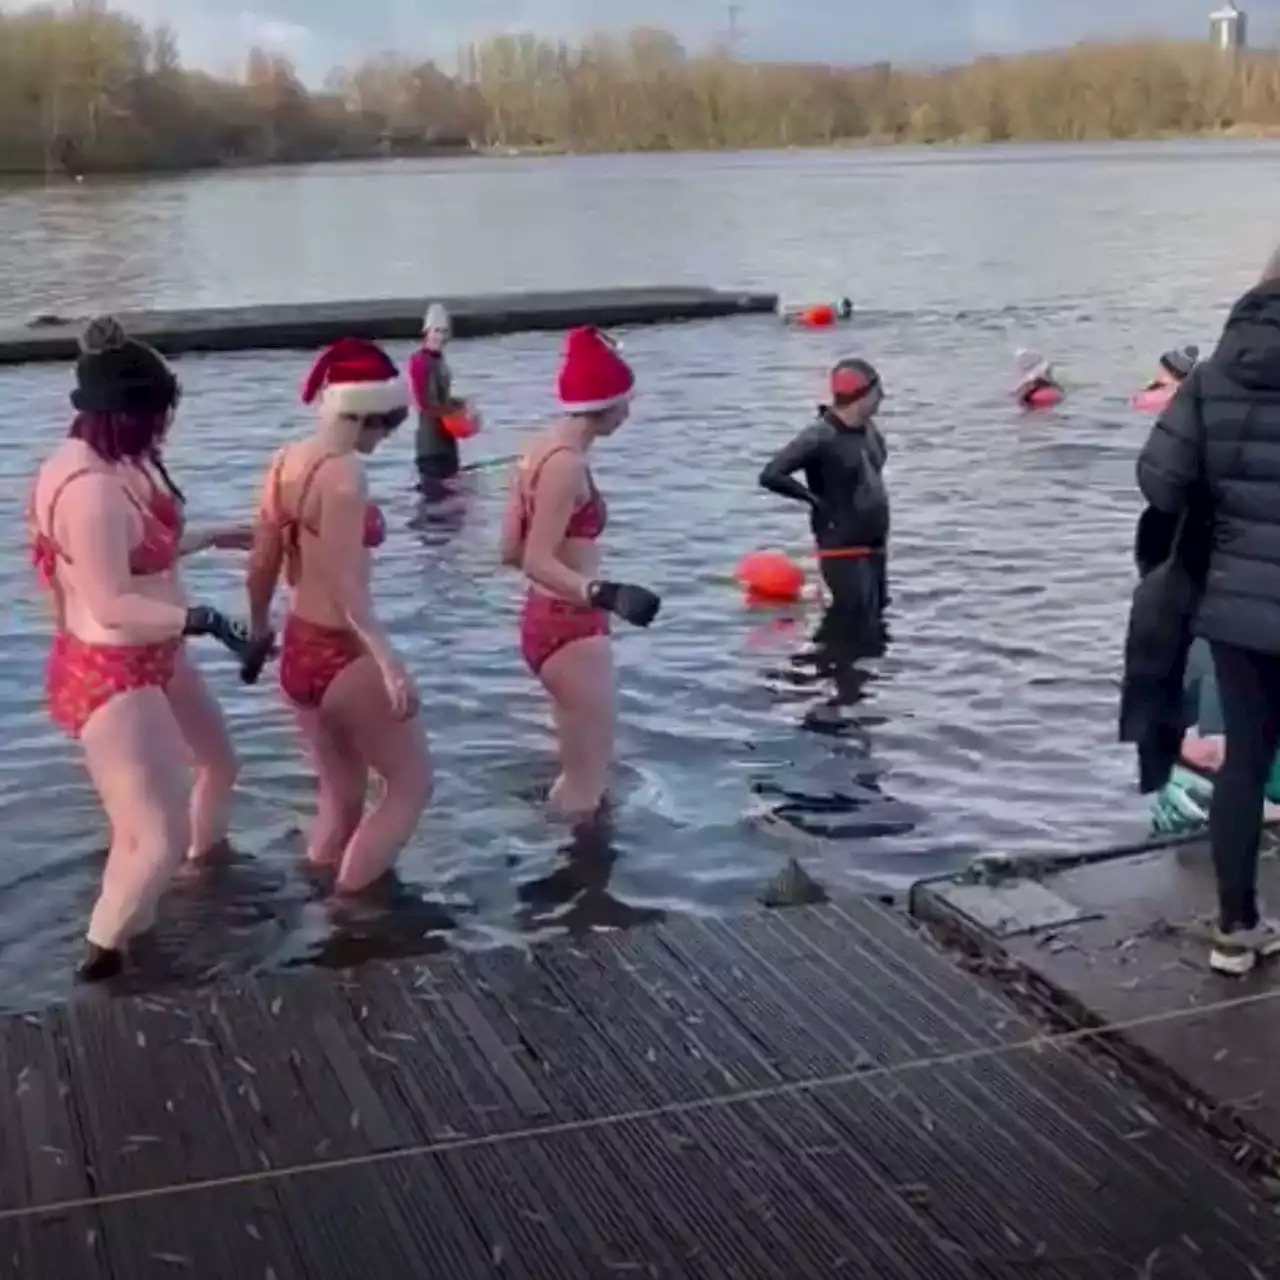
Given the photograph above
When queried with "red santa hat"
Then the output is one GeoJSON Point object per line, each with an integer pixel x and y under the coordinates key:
{"type": "Point", "coordinates": [357, 378]}
{"type": "Point", "coordinates": [593, 376]}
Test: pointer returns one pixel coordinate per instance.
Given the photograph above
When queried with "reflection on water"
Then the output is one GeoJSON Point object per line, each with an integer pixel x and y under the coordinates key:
{"type": "Point", "coordinates": [762, 757]}
{"type": "Point", "coordinates": [832, 678]}
{"type": "Point", "coordinates": [574, 894]}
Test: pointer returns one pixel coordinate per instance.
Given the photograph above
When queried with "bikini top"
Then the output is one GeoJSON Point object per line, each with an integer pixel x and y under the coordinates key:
{"type": "Point", "coordinates": [155, 552]}
{"type": "Point", "coordinates": [590, 516]}
{"type": "Point", "coordinates": [375, 527]}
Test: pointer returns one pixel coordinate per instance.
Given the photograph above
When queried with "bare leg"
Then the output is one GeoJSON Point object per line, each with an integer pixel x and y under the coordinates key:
{"type": "Point", "coordinates": [580, 680]}
{"type": "Point", "coordinates": [200, 719]}
{"type": "Point", "coordinates": [356, 703]}
{"type": "Point", "coordinates": [137, 758]}
{"type": "Point", "coordinates": [342, 781]}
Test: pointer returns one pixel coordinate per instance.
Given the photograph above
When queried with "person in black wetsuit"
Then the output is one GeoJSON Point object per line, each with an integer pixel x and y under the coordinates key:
{"type": "Point", "coordinates": [842, 456]}
{"type": "Point", "coordinates": [431, 383]}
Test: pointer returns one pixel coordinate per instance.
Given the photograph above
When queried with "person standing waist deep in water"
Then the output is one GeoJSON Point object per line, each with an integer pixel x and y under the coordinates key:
{"type": "Point", "coordinates": [551, 529]}
{"type": "Point", "coordinates": [842, 456]}
{"type": "Point", "coordinates": [354, 702]}
{"type": "Point", "coordinates": [431, 389]}
{"type": "Point", "coordinates": [108, 529]}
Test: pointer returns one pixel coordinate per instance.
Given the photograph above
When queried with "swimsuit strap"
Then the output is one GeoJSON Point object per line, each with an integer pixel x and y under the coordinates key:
{"type": "Point", "coordinates": [276, 498]}
{"type": "Point", "coordinates": [157, 479]}
{"type": "Point", "coordinates": [51, 509]}
{"type": "Point", "coordinates": [304, 491]}
{"type": "Point", "coordinates": [274, 504]}
{"type": "Point", "coordinates": [531, 479]}
{"type": "Point", "coordinates": [143, 505]}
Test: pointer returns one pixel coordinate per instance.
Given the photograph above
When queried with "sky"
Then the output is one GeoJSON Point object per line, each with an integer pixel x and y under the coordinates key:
{"type": "Point", "coordinates": [318, 34]}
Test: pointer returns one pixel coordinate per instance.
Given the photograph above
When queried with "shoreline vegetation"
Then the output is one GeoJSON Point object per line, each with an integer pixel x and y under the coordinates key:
{"type": "Point", "coordinates": [89, 90]}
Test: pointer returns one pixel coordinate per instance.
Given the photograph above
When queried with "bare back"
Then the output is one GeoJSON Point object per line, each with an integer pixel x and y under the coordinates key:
{"type": "Point", "coordinates": [87, 522]}
{"type": "Point", "coordinates": [317, 499]}
{"type": "Point", "coordinates": [551, 483]}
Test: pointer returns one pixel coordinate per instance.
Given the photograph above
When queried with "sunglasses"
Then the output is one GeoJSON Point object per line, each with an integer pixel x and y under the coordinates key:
{"type": "Point", "coordinates": [379, 421]}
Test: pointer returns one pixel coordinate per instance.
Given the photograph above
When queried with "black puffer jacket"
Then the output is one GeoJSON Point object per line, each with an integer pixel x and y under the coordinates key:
{"type": "Point", "coordinates": [1217, 447]}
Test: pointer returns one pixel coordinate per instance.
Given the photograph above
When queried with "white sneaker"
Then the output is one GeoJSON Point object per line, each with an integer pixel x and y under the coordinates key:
{"type": "Point", "coordinates": [1237, 952]}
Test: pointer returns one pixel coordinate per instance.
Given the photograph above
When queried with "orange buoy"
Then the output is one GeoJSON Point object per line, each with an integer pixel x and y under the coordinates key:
{"type": "Point", "coordinates": [820, 316]}
{"type": "Point", "coordinates": [459, 422]}
{"type": "Point", "coordinates": [770, 576]}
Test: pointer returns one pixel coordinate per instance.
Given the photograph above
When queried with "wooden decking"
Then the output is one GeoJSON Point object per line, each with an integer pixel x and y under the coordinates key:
{"type": "Point", "coordinates": [1121, 944]}
{"type": "Point", "coordinates": [804, 1093]}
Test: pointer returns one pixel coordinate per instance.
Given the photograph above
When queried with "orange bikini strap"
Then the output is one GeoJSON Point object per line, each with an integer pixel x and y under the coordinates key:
{"type": "Point", "coordinates": [304, 491]}
{"type": "Point", "coordinates": [274, 504]}
{"type": "Point", "coordinates": [51, 509]}
{"type": "Point", "coordinates": [531, 479]}
{"type": "Point", "coordinates": [275, 498]}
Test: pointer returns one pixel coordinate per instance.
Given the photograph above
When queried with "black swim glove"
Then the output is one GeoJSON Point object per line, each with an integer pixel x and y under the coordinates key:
{"type": "Point", "coordinates": [204, 620]}
{"type": "Point", "coordinates": [636, 605]}
{"type": "Point", "coordinates": [255, 656]}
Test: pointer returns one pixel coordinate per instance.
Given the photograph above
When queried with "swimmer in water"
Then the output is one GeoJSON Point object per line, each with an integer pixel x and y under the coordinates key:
{"type": "Point", "coordinates": [842, 310]}
{"type": "Point", "coordinates": [1035, 375]}
{"type": "Point", "coordinates": [550, 530]}
{"type": "Point", "coordinates": [353, 701]}
{"type": "Point", "coordinates": [108, 529]}
{"type": "Point", "coordinates": [842, 456]}
{"type": "Point", "coordinates": [431, 390]}
{"type": "Point", "coordinates": [1173, 370]}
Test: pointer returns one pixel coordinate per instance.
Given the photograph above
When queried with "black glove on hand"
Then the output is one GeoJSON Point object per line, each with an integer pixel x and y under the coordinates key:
{"type": "Point", "coordinates": [256, 653]}
{"type": "Point", "coordinates": [636, 605]}
{"type": "Point", "coordinates": [203, 620]}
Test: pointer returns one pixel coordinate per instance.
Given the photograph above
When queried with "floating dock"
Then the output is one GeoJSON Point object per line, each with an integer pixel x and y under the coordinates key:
{"type": "Point", "coordinates": [304, 326]}
{"type": "Point", "coordinates": [813, 1092]}
{"type": "Point", "coordinates": [1119, 944]}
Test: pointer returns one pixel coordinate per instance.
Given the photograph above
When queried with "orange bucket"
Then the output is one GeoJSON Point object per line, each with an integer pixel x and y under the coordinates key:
{"type": "Point", "coordinates": [770, 576]}
{"type": "Point", "coordinates": [459, 423]}
{"type": "Point", "coordinates": [820, 316]}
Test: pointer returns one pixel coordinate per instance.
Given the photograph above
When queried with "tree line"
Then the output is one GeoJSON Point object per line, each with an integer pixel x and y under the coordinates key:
{"type": "Point", "coordinates": [85, 89]}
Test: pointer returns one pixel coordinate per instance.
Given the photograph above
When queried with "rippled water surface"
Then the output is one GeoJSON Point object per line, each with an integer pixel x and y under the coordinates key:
{"type": "Point", "coordinates": [746, 740]}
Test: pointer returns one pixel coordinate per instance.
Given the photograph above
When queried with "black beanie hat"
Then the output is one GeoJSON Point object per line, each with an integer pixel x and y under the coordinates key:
{"type": "Point", "coordinates": [1180, 362]}
{"type": "Point", "coordinates": [119, 374]}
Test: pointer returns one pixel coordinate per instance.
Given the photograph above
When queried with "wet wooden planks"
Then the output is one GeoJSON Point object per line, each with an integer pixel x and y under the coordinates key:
{"type": "Point", "coordinates": [810, 1092]}
{"type": "Point", "coordinates": [1137, 961]}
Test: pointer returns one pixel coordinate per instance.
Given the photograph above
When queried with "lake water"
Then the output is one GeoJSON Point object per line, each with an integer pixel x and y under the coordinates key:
{"type": "Point", "coordinates": [989, 723]}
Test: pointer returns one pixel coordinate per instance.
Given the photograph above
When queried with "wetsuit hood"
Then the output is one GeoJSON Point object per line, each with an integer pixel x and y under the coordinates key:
{"type": "Point", "coordinates": [1180, 361]}
{"type": "Point", "coordinates": [1249, 349]}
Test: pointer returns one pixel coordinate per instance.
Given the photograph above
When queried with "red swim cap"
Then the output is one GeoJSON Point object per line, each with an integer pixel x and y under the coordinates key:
{"type": "Point", "coordinates": [851, 379]}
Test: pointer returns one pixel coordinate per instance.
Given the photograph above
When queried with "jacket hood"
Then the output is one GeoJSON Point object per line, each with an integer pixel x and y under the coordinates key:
{"type": "Point", "coordinates": [1249, 350]}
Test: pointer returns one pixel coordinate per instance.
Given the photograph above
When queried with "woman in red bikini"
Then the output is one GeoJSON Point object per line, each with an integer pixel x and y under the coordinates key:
{"type": "Point", "coordinates": [355, 705]}
{"type": "Point", "coordinates": [554, 517]}
{"type": "Point", "coordinates": [107, 530]}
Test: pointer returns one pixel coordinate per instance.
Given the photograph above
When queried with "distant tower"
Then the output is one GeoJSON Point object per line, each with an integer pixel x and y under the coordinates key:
{"type": "Point", "coordinates": [734, 32]}
{"type": "Point", "coordinates": [1227, 27]}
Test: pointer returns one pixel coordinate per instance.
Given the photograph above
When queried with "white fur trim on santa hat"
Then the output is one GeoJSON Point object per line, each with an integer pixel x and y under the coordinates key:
{"type": "Point", "coordinates": [362, 399]}
{"type": "Point", "coordinates": [597, 406]}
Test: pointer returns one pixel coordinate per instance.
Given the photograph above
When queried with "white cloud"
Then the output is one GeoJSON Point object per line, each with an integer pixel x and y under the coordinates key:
{"type": "Point", "coordinates": [272, 33]}
{"type": "Point", "coordinates": [212, 39]}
